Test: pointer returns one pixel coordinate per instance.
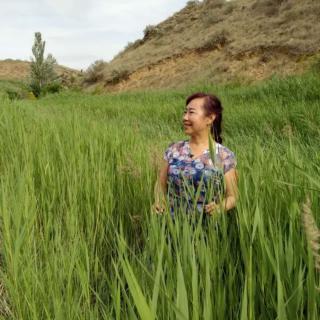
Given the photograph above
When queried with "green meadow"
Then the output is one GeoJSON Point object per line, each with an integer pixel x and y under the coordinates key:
{"type": "Point", "coordinates": [79, 240]}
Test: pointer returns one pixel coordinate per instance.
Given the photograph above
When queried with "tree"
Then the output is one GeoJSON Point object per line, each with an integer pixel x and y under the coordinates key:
{"type": "Point", "coordinates": [42, 74]}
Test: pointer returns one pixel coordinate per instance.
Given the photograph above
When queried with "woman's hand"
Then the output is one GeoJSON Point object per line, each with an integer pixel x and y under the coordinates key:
{"type": "Point", "coordinates": [160, 189]}
{"type": "Point", "coordinates": [231, 179]}
{"type": "Point", "coordinates": [158, 208]}
{"type": "Point", "coordinates": [211, 208]}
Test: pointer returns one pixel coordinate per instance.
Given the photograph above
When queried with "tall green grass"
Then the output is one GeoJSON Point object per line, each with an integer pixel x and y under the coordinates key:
{"type": "Point", "coordinates": [78, 240]}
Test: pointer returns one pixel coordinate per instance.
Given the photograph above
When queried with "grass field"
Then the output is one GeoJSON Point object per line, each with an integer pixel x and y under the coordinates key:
{"type": "Point", "coordinates": [78, 240]}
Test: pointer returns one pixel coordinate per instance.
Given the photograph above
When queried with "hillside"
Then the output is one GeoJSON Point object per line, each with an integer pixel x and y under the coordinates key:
{"type": "Point", "coordinates": [18, 70]}
{"type": "Point", "coordinates": [217, 41]}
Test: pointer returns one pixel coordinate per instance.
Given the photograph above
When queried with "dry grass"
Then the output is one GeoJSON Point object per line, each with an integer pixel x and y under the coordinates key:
{"type": "Point", "coordinates": [211, 66]}
{"type": "Point", "coordinates": [20, 70]}
{"type": "Point", "coordinates": [268, 30]}
{"type": "Point", "coordinates": [14, 69]}
{"type": "Point", "coordinates": [312, 232]}
{"type": "Point", "coordinates": [5, 310]}
{"type": "Point", "coordinates": [4, 305]}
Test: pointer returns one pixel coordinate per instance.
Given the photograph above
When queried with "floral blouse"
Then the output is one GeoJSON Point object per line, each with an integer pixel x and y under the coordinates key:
{"type": "Point", "coordinates": [194, 182]}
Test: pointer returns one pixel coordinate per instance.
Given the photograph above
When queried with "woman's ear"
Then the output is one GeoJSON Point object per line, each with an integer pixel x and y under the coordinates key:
{"type": "Point", "coordinates": [213, 117]}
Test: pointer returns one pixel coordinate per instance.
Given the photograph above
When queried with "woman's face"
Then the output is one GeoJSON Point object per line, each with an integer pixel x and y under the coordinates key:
{"type": "Point", "coordinates": [194, 118]}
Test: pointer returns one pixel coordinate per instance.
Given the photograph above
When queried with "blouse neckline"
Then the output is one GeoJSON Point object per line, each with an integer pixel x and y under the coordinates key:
{"type": "Point", "coordinates": [199, 156]}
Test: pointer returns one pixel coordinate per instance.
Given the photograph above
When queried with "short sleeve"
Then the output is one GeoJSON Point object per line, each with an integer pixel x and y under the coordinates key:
{"type": "Point", "coordinates": [228, 159]}
{"type": "Point", "coordinates": [168, 153]}
{"type": "Point", "coordinates": [229, 162]}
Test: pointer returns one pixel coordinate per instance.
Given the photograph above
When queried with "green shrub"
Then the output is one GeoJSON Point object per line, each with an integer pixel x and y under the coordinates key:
{"type": "Point", "coordinates": [14, 94]}
{"type": "Point", "coordinates": [98, 90]}
{"type": "Point", "coordinates": [53, 87]}
{"type": "Point", "coordinates": [95, 72]}
{"type": "Point", "coordinates": [118, 75]}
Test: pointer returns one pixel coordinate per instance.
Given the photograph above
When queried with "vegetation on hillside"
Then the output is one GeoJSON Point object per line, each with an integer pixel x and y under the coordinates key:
{"type": "Point", "coordinates": [218, 41]}
{"type": "Point", "coordinates": [18, 70]}
{"type": "Point", "coordinates": [15, 79]}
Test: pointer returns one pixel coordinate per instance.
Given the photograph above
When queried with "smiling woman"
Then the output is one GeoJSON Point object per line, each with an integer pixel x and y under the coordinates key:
{"type": "Point", "coordinates": [198, 175]}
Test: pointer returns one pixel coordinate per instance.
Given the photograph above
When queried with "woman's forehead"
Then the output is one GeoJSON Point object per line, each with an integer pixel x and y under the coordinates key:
{"type": "Point", "coordinates": [195, 103]}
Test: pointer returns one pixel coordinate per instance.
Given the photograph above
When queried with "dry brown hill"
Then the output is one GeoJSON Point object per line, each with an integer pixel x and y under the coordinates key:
{"type": "Point", "coordinates": [219, 41]}
{"type": "Point", "coordinates": [19, 70]}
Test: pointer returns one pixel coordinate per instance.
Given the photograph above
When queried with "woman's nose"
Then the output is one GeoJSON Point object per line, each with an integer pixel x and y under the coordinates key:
{"type": "Point", "coordinates": [185, 116]}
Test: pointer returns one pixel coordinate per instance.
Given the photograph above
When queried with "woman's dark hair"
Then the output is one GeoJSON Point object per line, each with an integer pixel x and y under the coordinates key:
{"type": "Point", "coordinates": [211, 104]}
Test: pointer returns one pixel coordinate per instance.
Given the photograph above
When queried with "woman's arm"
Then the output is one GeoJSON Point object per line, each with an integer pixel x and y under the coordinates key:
{"type": "Point", "coordinates": [232, 192]}
{"type": "Point", "coordinates": [160, 189]}
{"type": "Point", "coordinates": [229, 202]}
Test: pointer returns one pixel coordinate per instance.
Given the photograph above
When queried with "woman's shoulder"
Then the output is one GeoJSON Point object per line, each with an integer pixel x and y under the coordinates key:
{"type": "Point", "coordinates": [177, 145]}
{"type": "Point", "coordinates": [224, 151]}
{"type": "Point", "coordinates": [227, 157]}
{"type": "Point", "coordinates": [174, 148]}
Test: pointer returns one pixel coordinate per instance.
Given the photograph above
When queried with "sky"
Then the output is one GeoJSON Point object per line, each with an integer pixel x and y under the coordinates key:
{"type": "Point", "coordinates": [78, 32]}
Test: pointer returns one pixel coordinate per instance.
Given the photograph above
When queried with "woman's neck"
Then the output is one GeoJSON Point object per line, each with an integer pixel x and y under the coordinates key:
{"type": "Point", "coordinates": [199, 140]}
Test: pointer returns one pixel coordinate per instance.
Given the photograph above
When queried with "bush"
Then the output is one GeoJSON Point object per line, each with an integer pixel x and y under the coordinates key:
{"type": "Point", "coordinates": [211, 18]}
{"type": "Point", "coordinates": [217, 40]}
{"type": "Point", "coordinates": [98, 90]}
{"type": "Point", "coordinates": [193, 3]}
{"type": "Point", "coordinates": [117, 76]}
{"type": "Point", "coordinates": [14, 94]}
{"type": "Point", "coordinates": [95, 72]}
{"type": "Point", "coordinates": [35, 88]}
{"type": "Point", "coordinates": [214, 4]}
{"type": "Point", "coordinates": [151, 31]}
{"type": "Point", "coordinates": [133, 45]}
{"type": "Point", "coordinates": [53, 87]}
{"type": "Point", "coordinates": [267, 7]}
{"type": "Point", "coordinates": [229, 7]}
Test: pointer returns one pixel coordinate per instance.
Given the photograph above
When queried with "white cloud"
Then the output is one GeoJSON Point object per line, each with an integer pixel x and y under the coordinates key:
{"type": "Point", "coordinates": [78, 32]}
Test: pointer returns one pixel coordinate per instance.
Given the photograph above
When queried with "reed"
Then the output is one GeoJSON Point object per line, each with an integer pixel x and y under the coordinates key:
{"type": "Point", "coordinates": [79, 240]}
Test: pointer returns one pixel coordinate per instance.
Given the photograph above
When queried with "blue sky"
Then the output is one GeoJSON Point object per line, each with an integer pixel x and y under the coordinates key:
{"type": "Point", "coordinates": [78, 32]}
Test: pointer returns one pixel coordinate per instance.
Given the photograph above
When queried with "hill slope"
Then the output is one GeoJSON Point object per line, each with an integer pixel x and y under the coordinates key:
{"type": "Point", "coordinates": [19, 70]}
{"type": "Point", "coordinates": [219, 41]}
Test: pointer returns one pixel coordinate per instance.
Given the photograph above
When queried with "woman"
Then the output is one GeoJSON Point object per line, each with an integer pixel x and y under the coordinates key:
{"type": "Point", "coordinates": [195, 177]}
